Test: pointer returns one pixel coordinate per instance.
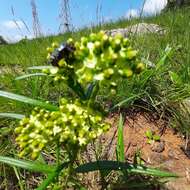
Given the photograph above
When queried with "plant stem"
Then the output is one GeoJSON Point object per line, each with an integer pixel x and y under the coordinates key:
{"type": "Point", "coordinates": [76, 87]}
{"type": "Point", "coordinates": [58, 154]}
{"type": "Point", "coordinates": [57, 159]}
{"type": "Point", "coordinates": [72, 157]}
{"type": "Point", "coordinates": [93, 95]}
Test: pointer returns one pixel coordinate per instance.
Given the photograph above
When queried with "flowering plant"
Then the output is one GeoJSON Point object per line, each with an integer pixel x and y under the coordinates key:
{"type": "Point", "coordinates": [85, 66]}
{"type": "Point", "coordinates": [98, 59]}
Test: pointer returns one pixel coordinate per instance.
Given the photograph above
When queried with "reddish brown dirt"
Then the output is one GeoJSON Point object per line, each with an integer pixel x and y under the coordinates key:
{"type": "Point", "coordinates": [170, 157]}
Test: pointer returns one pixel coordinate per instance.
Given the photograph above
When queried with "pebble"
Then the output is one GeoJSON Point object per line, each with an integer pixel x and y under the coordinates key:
{"type": "Point", "coordinates": [158, 146]}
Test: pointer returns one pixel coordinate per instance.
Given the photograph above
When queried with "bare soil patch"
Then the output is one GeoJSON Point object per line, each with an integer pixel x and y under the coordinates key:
{"type": "Point", "coordinates": [168, 154]}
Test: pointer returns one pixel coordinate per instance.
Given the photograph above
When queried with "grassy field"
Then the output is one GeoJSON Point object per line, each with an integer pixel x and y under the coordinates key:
{"type": "Point", "coordinates": [164, 90]}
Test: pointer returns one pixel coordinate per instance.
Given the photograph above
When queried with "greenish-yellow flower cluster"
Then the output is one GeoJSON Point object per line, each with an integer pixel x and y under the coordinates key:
{"type": "Point", "coordinates": [98, 57]}
{"type": "Point", "coordinates": [72, 124]}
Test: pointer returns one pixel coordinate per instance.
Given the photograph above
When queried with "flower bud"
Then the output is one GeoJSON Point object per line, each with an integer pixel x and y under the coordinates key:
{"type": "Point", "coordinates": [113, 91]}
{"type": "Point", "coordinates": [131, 54]}
{"type": "Point", "coordinates": [128, 73]}
{"type": "Point", "coordinates": [55, 45]}
{"type": "Point", "coordinates": [49, 50]}
{"type": "Point", "coordinates": [140, 67]}
{"type": "Point", "coordinates": [62, 63]}
{"type": "Point", "coordinates": [54, 70]}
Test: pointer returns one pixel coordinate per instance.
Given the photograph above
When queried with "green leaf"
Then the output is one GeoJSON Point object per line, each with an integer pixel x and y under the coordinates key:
{"type": "Point", "coordinates": [90, 90]}
{"type": "Point", "coordinates": [149, 141]}
{"type": "Point", "coordinates": [156, 137]}
{"type": "Point", "coordinates": [40, 67]}
{"type": "Point", "coordinates": [137, 158]}
{"type": "Point", "coordinates": [17, 173]}
{"type": "Point", "coordinates": [4, 131]}
{"type": "Point", "coordinates": [52, 176]}
{"type": "Point", "coordinates": [120, 142]}
{"type": "Point", "coordinates": [149, 134]}
{"type": "Point", "coordinates": [175, 78]}
{"type": "Point", "coordinates": [148, 63]}
{"type": "Point", "coordinates": [30, 75]}
{"type": "Point", "coordinates": [167, 52]}
{"type": "Point", "coordinates": [41, 159]}
{"type": "Point", "coordinates": [12, 115]}
{"type": "Point", "coordinates": [28, 100]}
{"type": "Point", "coordinates": [29, 165]}
{"type": "Point", "coordinates": [115, 165]}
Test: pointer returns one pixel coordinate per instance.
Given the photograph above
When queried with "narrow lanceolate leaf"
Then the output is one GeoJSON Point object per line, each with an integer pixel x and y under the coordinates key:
{"type": "Point", "coordinates": [29, 165]}
{"type": "Point", "coordinates": [40, 67]}
{"type": "Point", "coordinates": [120, 143]}
{"type": "Point", "coordinates": [167, 52]}
{"type": "Point", "coordinates": [28, 100]}
{"type": "Point", "coordinates": [30, 75]}
{"type": "Point", "coordinates": [12, 115]}
{"type": "Point", "coordinates": [52, 176]}
{"type": "Point", "coordinates": [175, 78]}
{"type": "Point", "coordinates": [50, 179]}
{"type": "Point", "coordinates": [115, 165]}
{"type": "Point", "coordinates": [90, 90]}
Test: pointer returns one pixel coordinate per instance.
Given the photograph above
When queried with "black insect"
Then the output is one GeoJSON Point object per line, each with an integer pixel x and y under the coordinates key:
{"type": "Point", "coordinates": [64, 51]}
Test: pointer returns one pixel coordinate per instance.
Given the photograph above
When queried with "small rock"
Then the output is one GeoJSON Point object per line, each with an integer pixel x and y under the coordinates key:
{"type": "Point", "coordinates": [140, 28]}
{"type": "Point", "coordinates": [158, 146]}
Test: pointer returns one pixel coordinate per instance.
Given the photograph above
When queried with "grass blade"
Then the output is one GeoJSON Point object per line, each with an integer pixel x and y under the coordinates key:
{"type": "Point", "coordinates": [40, 67]}
{"type": "Point", "coordinates": [120, 143]}
{"type": "Point", "coordinates": [47, 181]}
{"type": "Point", "coordinates": [28, 100]}
{"type": "Point", "coordinates": [29, 165]}
{"type": "Point", "coordinates": [175, 78]}
{"type": "Point", "coordinates": [20, 182]}
{"type": "Point", "coordinates": [115, 165]}
{"type": "Point", "coordinates": [30, 75]}
{"type": "Point", "coordinates": [12, 115]}
{"type": "Point", "coordinates": [127, 100]}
